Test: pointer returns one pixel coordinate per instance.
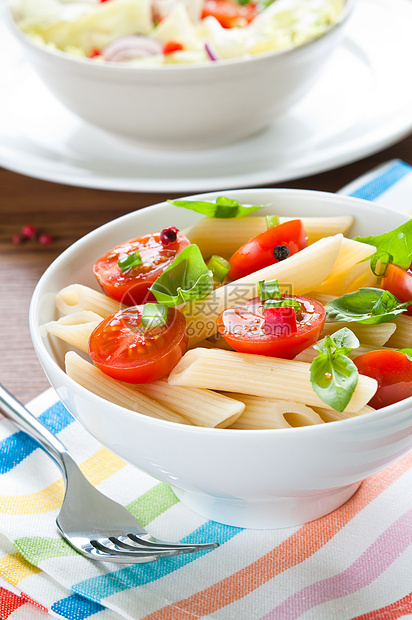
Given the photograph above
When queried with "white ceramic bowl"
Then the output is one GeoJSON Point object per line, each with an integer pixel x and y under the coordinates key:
{"type": "Point", "coordinates": [256, 479]}
{"type": "Point", "coordinates": [191, 106]}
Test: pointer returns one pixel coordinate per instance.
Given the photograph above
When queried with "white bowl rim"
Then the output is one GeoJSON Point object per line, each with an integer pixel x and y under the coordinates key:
{"type": "Point", "coordinates": [118, 67]}
{"type": "Point", "coordinates": [316, 428]}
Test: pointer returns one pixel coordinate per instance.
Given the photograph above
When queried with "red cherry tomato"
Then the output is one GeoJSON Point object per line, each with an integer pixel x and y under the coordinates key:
{"type": "Point", "coordinates": [243, 328]}
{"type": "Point", "coordinates": [393, 372]}
{"type": "Point", "coordinates": [228, 13]}
{"type": "Point", "coordinates": [269, 247]}
{"type": "Point", "coordinates": [131, 287]}
{"type": "Point", "coordinates": [399, 282]}
{"type": "Point", "coordinates": [126, 350]}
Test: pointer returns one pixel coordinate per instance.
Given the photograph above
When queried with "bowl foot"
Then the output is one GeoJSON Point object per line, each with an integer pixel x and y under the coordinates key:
{"type": "Point", "coordinates": [273, 513]}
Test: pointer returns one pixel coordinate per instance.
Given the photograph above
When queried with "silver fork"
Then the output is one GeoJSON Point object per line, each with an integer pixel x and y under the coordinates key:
{"type": "Point", "coordinates": [95, 525]}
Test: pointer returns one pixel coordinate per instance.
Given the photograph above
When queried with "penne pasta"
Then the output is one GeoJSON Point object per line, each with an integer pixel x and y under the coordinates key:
{"type": "Point", "coordinates": [258, 375]}
{"type": "Point", "coordinates": [76, 297]}
{"type": "Point", "coordinates": [91, 378]}
{"type": "Point", "coordinates": [200, 407]}
{"type": "Point", "coordinates": [330, 415]}
{"type": "Point", "coordinates": [375, 335]}
{"type": "Point", "coordinates": [225, 236]}
{"type": "Point", "coordinates": [350, 266]}
{"type": "Point", "coordinates": [75, 329]}
{"type": "Point", "coordinates": [402, 337]}
{"type": "Point", "coordinates": [261, 413]}
{"type": "Point", "coordinates": [293, 278]}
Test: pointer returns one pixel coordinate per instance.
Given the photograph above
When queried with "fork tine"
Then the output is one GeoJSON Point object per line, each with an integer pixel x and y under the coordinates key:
{"type": "Point", "coordinates": [170, 549]}
{"type": "Point", "coordinates": [136, 553]}
{"type": "Point", "coordinates": [159, 544]}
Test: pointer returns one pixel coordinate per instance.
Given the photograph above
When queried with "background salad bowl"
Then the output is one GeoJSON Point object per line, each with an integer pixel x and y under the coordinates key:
{"type": "Point", "coordinates": [247, 478]}
{"type": "Point", "coordinates": [184, 105]}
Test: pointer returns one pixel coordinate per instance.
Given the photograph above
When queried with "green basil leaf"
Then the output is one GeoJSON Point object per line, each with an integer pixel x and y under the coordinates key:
{"type": "Point", "coordinates": [334, 378]}
{"type": "Point", "coordinates": [394, 246]}
{"type": "Point", "coordinates": [341, 341]}
{"type": "Point", "coordinates": [154, 315]}
{"type": "Point", "coordinates": [368, 306]}
{"type": "Point", "coordinates": [268, 289]}
{"type": "Point", "coordinates": [223, 207]}
{"type": "Point", "coordinates": [187, 278]}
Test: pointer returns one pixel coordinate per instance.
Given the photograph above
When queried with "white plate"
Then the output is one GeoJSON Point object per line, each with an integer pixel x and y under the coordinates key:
{"type": "Point", "coordinates": [362, 103]}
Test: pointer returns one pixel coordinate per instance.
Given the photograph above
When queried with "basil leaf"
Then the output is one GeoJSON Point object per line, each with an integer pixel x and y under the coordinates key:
{"type": "Point", "coordinates": [223, 207]}
{"type": "Point", "coordinates": [334, 379]}
{"type": "Point", "coordinates": [333, 375]}
{"type": "Point", "coordinates": [187, 278]}
{"type": "Point", "coordinates": [368, 306]}
{"type": "Point", "coordinates": [392, 247]}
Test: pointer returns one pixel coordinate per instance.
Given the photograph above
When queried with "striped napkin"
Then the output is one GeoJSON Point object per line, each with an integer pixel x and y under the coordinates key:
{"type": "Point", "coordinates": [352, 564]}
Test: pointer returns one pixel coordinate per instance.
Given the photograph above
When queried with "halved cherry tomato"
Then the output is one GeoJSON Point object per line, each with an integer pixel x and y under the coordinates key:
{"type": "Point", "coordinates": [126, 350]}
{"type": "Point", "coordinates": [131, 287]}
{"type": "Point", "coordinates": [393, 372]}
{"type": "Point", "coordinates": [228, 13]}
{"type": "Point", "coordinates": [399, 282]}
{"type": "Point", "coordinates": [269, 247]}
{"type": "Point", "coordinates": [243, 328]}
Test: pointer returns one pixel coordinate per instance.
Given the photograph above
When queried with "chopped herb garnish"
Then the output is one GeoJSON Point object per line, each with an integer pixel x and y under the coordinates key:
{"type": "Point", "coordinates": [223, 207]}
{"type": "Point", "coordinates": [268, 289]}
{"type": "Point", "coordinates": [219, 266]}
{"type": "Point", "coordinates": [272, 221]}
{"type": "Point", "coordinates": [368, 306]}
{"type": "Point", "coordinates": [154, 315]}
{"type": "Point", "coordinates": [128, 262]}
{"type": "Point", "coordinates": [333, 374]}
{"type": "Point", "coordinates": [283, 303]}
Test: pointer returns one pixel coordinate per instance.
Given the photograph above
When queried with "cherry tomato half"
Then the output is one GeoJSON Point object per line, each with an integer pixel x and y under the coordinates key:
{"type": "Point", "coordinates": [243, 328]}
{"type": "Point", "coordinates": [228, 13]}
{"type": "Point", "coordinates": [399, 282]}
{"type": "Point", "coordinates": [393, 372]}
{"type": "Point", "coordinates": [131, 287]}
{"type": "Point", "coordinates": [126, 350]}
{"type": "Point", "coordinates": [269, 247]}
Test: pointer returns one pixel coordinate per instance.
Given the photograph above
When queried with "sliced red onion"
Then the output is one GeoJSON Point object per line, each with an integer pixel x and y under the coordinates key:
{"type": "Point", "coordinates": [212, 55]}
{"type": "Point", "coordinates": [131, 47]}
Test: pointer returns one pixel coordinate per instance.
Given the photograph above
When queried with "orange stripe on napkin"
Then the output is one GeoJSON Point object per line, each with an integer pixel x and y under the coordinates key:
{"type": "Point", "coordinates": [294, 550]}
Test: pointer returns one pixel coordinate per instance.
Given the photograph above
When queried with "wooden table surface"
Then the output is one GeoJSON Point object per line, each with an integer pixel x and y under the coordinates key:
{"type": "Point", "coordinates": [68, 213]}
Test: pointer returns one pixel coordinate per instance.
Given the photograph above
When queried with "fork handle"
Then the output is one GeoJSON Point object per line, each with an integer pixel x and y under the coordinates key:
{"type": "Point", "coordinates": [15, 411]}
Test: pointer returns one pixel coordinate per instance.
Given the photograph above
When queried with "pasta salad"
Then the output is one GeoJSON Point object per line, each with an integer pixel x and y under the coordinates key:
{"type": "Point", "coordinates": [223, 325]}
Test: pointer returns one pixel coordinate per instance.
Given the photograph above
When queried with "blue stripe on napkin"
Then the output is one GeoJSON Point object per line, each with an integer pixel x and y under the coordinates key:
{"type": "Point", "coordinates": [103, 586]}
{"type": "Point", "coordinates": [18, 446]}
{"type": "Point", "coordinates": [377, 186]}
